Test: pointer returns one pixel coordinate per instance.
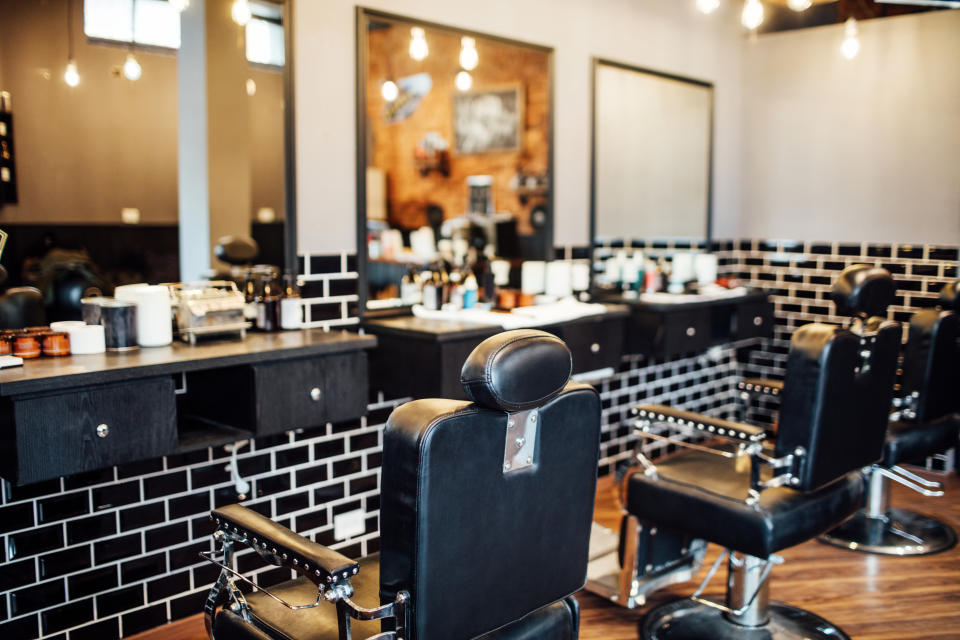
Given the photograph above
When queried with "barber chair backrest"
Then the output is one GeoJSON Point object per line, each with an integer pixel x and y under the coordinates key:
{"type": "Point", "coordinates": [836, 392]}
{"type": "Point", "coordinates": [487, 505]}
{"type": "Point", "coordinates": [931, 363]}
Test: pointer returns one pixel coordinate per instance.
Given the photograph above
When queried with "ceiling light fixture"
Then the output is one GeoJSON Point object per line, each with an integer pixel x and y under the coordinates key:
{"type": "Point", "coordinates": [469, 58]}
{"type": "Point", "coordinates": [752, 15]}
{"type": "Point", "coordinates": [418, 44]}
{"type": "Point", "coordinates": [389, 90]}
{"type": "Point", "coordinates": [71, 74]}
{"type": "Point", "coordinates": [464, 81]}
{"type": "Point", "coordinates": [799, 5]}
{"type": "Point", "coordinates": [131, 68]}
{"type": "Point", "coordinates": [241, 12]}
{"type": "Point", "coordinates": [708, 6]}
{"type": "Point", "coordinates": [851, 40]}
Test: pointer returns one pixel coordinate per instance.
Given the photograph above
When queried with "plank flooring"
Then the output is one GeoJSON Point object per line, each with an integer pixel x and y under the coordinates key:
{"type": "Point", "coordinates": [870, 597]}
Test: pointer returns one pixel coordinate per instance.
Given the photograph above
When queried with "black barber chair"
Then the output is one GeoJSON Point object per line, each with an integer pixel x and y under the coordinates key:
{"type": "Point", "coordinates": [485, 518]}
{"type": "Point", "coordinates": [755, 501]}
{"type": "Point", "coordinates": [926, 423]}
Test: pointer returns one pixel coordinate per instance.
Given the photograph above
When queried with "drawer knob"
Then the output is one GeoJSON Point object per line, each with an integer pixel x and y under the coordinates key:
{"type": "Point", "coordinates": [103, 431]}
{"type": "Point", "coordinates": [595, 347]}
{"type": "Point", "coordinates": [691, 331]}
{"type": "Point", "coordinates": [315, 394]}
{"type": "Point", "coordinates": [757, 321]}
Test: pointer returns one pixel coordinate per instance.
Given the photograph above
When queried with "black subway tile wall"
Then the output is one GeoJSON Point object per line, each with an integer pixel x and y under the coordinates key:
{"type": "Point", "coordinates": [329, 289]}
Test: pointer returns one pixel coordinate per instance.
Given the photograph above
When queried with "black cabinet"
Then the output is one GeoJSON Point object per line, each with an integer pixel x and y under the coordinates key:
{"type": "Point", "coordinates": [63, 433]}
{"type": "Point", "coordinates": [68, 415]}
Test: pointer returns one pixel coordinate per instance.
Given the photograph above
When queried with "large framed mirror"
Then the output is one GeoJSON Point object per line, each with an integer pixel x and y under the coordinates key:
{"type": "Point", "coordinates": [652, 157]}
{"type": "Point", "coordinates": [454, 150]}
{"type": "Point", "coordinates": [145, 131]}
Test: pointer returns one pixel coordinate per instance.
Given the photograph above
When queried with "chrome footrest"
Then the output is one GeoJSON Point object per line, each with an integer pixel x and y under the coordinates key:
{"type": "Point", "coordinates": [899, 533]}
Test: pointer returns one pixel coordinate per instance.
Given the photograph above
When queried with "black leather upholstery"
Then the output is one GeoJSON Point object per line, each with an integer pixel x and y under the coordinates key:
{"type": "Point", "coordinates": [321, 564]}
{"type": "Point", "coordinates": [483, 551]}
{"type": "Point", "coordinates": [836, 393]}
{"type": "Point", "coordinates": [703, 496]}
{"type": "Point", "coordinates": [457, 531]}
{"type": "Point", "coordinates": [272, 621]}
{"type": "Point", "coordinates": [931, 363]}
{"type": "Point", "coordinates": [518, 373]}
{"type": "Point", "coordinates": [862, 290]}
{"type": "Point", "coordinates": [950, 296]}
{"type": "Point", "coordinates": [22, 307]}
{"type": "Point", "coordinates": [912, 442]}
{"type": "Point", "coordinates": [836, 414]}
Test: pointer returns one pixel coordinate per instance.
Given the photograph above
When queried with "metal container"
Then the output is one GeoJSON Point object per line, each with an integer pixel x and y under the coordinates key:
{"type": "Point", "coordinates": [119, 320]}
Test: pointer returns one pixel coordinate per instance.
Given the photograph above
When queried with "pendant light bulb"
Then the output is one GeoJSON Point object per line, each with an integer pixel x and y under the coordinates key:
{"type": "Point", "coordinates": [389, 91]}
{"type": "Point", "coordinates": [708, 6]}
{"type": "Point", "coordinates": [131, 68]}
{"type": "Point", "coordinates": [469, 58]}
{"type": "Point", "coordinates": [851, 41]}
{"type": "Point", "coordinates": [241, 13]}
{"type": "Point", "coordinates": [71, 75]}
{"type": "Point", "coordinates": [179, 5]}
{"type": "Point", "coordinates": [464, 81]}
{"type": "Point", "coordinates": [418, 44]}
{"type": "Point", "coordinates": [799, 5]}
{"type": "Point", "coordinates": [752, 15]}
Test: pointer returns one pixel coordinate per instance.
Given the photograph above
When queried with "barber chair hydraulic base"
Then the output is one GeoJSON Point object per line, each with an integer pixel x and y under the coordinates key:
{"type": "Point", "coordinates": [880, 529]}
{"type": "Point", "coordinates": [747, 615]}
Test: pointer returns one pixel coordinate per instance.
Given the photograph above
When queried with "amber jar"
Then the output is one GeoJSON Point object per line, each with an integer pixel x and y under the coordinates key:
{"type": "Point", "coordinates": [26, 346]}
{"type": "Point", "coordinates": [55, 343]}
{"type": "Point", "coordinates": [6, 344]}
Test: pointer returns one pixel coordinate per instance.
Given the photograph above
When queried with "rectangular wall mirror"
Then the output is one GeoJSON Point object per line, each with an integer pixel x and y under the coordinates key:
{"type": "Point", "coordinates": [454, 142]}
{"type": "Point", "coordinates": [166, 128]}
{"type": "Point", "coordinates": [652, 150]}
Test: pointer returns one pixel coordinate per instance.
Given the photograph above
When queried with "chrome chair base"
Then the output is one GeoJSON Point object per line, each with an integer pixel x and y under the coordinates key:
{"type": "Point", "coordinates": [689, 620]}
{"type": "Point", "coordinates": [900, 533]}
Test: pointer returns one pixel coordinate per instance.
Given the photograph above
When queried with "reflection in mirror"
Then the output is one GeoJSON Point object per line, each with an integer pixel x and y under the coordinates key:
{"type": "Point", "coordinates": [456, 160]}
{"type": "Point", "coordinates": [136, 128]}
{"type": "Point", "coordinates": [652, 156]}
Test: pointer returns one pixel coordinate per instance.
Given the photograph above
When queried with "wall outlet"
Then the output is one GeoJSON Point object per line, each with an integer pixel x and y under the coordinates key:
{"type": "Point", "coordinates": [349, 525]}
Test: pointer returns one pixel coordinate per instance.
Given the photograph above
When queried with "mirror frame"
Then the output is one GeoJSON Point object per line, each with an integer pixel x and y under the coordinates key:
{"type": "Point", "coordinates": [363, 17]}
{"type": "Point", "coordinates": [290, 249]}
{"type": "Point", "coordinates": [597, 62]}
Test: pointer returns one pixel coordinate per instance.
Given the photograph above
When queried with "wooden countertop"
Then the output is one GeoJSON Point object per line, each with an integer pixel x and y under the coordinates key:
{"type": "Point", "coordinates": [50, 374]}
{"type": "Point", "coordinates": [752, 295]}
{"type": "Point", "coordinates": [445, 330]}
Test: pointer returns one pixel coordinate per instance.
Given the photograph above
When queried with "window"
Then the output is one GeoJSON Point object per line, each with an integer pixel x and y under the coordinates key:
{"type": "Point", "coordinates": [155, 22]}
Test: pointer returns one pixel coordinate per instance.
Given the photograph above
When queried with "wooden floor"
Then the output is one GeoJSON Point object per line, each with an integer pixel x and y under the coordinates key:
{"type": "Point", "coordinates": [869, 597]}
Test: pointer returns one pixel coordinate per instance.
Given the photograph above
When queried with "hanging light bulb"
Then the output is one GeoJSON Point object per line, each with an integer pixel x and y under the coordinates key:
{"type": "Point", "coordinates": [131, 68]}
{"type": "Point", "coordinates": [799, 5]}
{"type": "Point", "coordinates": [241, 13]}
{"type": "Point", "coordinates": [469, 58]}
{"type": "Point", "coordinates": [71, 75]}
{"type": "Point", "coordinates": [251, 87]}
{"type": "Point", "coordinates": [851, 41]}
{"type": "Point", "coordinates": [179, 5]}
{"type": "Point", "coordinates": [418, 44]}
{"type": "Point", "coordinates": [752, 15]}
{"type": "Point", "coordinates": [389, 90]}
{"type": "Point", "coordinates": [708, 6]}
{"type": "Point", "coordinates": [464, 81]}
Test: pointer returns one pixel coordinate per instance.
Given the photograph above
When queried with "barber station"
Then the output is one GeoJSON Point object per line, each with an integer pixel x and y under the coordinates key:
{"type": "Point", "coordinates": [422, 320]}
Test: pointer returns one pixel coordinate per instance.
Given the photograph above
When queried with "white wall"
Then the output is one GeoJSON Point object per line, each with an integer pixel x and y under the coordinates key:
{"type": "Point", "coordinates": [861, 150]}
{"type": "Point", "coordinates": [667, 35]}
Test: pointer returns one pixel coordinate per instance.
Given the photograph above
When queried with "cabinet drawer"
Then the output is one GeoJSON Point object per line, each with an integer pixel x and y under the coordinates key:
{"type": "Point", "coordinates": [309, 392]}
{"type": "Point", "coordinates": [683, 332]}
{"type": "Point", "coordinates": [754, 320]}
{"type": "Point", "coordinates": [94, 428]}
{"type": "Point", "coordinates": [594, 344]}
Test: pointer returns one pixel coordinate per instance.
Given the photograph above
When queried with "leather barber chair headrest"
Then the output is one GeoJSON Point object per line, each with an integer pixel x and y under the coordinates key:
{"type": "Point", "coordinates": [517, 370]}
{"type": "Point", "coordinates": [864, 291]}
{"type": "Point", "coordinates": [950, 297]}
{"type": "Point", "coordinates": [237, 250]}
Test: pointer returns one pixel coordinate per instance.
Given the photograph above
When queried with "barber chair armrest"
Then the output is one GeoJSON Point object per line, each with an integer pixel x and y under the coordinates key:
{"type": "Point", "coordinates": [283, 547]}
{"type": "Point", "coordinates": [736, 431]}
{"type": "Point", "coordinates": [761, 387]}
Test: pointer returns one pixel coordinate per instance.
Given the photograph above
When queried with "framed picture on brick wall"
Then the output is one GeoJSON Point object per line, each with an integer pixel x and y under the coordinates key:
{"type": "Point", "coordinates": [488, 121]}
